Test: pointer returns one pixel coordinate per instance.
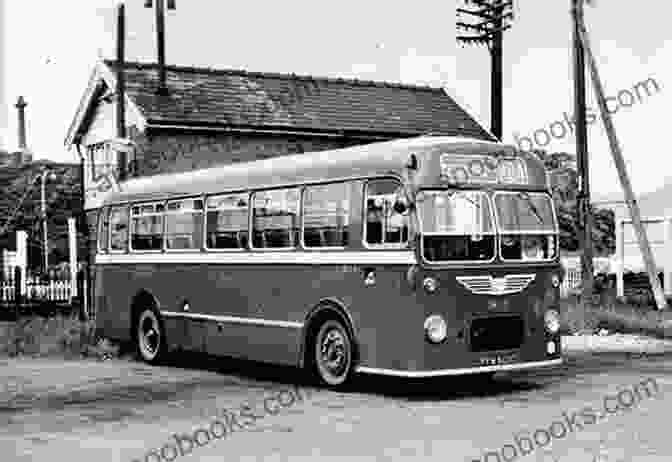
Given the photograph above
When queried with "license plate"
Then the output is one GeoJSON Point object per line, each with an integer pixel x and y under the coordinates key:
{"type": "Point", "coordinates": [497, 360]}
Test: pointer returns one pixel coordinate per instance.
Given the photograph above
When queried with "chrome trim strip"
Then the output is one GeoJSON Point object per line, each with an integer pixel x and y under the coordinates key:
{"type": "Point", "coordinates": [233, 319]}
{"type": "Point", "coordinates": [316, 257]}
{"type": "Point", "coordinates": [464, 371]}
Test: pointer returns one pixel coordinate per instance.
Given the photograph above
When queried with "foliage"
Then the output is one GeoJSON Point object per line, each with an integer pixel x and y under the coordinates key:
{"type": "Point", "coordinates": [565, 185]}
{"type": "Point", "coordinates": [63, 200]}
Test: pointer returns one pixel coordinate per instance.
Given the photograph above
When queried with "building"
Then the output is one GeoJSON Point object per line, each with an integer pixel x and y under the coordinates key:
{"type": "Point", "coordinates": [211, 116]}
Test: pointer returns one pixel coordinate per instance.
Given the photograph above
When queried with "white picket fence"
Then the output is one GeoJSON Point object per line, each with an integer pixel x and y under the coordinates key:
{"type": "Point", "coordinates": [572, 282]}
{"type": "Point", "coordinates": [53, 291]}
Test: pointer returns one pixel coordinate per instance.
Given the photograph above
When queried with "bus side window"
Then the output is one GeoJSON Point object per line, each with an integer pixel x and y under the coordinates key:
{"type": "Point", "coordinates": [147, 227]}
{"type": "Point", "coordinates": [103, 226]}
{"type": "Point", "coordinates": [119, 228]}
{"type": "Point", "coordinates": [227, 221]}
{"type": "Point", "coordinates": [275, 219]}
{"type": "Point", "coordinates": [383, 224]}
{"type": "Point", "coordinates": [326, 213]}
{"type": "Point", "coordinates": [184, 224]}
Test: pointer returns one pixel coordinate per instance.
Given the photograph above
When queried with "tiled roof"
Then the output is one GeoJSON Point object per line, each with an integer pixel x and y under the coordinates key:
{"type": "Point", "coordinates": [199, 96]}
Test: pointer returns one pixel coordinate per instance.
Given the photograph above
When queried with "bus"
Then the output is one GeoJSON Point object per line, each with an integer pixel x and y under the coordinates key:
{"type": "Point", "coordinates": [421, 257]}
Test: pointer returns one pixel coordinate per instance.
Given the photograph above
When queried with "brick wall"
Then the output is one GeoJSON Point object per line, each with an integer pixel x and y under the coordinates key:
{"type": "Point", "coordinates": [173, 152]}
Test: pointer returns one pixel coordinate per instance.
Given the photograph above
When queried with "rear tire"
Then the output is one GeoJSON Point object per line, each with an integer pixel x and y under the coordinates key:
{"type": "Point", "coordinates": [332, 354]}
{"type": "Point", "coordinates": [150, 336]}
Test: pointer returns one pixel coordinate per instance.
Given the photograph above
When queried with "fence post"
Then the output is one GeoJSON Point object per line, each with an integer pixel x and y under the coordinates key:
{"type": "Point", "coordinates": [81, 293]}
{"type": "Point", "coordinates": [17, 290]}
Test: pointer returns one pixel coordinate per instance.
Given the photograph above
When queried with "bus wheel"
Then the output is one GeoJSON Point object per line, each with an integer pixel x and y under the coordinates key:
{"type": "Point", "coordinates": [333, 354]}
{"type": "Point", "coordinates": [150, 336]}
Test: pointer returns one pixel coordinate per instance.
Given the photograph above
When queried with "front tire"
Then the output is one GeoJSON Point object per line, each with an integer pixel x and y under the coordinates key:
{"type": "Point", "coordinates": [333, 354]}
{"type": "Point", "coordinates": [150, 337]}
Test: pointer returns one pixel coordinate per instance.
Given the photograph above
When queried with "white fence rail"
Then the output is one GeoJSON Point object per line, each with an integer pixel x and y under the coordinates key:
{"type": "Point", "coordinates": [52, 291]}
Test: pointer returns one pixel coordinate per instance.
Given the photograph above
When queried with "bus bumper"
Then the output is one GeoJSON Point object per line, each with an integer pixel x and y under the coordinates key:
{"type": "Point", "coordinates": [463, 371]}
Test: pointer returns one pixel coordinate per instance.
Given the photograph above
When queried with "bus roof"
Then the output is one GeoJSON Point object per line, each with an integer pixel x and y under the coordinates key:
{"type": "Point", "coordinates": [389, 157]}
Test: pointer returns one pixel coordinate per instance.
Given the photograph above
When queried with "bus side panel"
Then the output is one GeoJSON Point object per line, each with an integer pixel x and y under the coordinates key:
{"type": "Point", "coordinates": [389, 320]}
{"type": "Point", "coordinates": [113, 301]}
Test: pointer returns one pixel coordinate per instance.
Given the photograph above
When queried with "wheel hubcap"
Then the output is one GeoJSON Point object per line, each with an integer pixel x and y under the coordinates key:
{"type": "Point", "coordinates": [149, 335]}
{"type": "Point", "coordinates": [333, 352]}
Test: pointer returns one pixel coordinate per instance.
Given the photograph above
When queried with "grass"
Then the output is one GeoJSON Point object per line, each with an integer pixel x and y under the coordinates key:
{"type": "Point", "coordinates": [614, 315]}
{"type": "Point", "coordinates": [60, 335]}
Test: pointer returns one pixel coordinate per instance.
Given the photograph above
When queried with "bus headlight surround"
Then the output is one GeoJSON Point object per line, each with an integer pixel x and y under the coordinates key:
{"type": "Point", "coordinates": [430, 284]}
{"type": "Point", "coordinates": [436, 328]}
{"type": "Point", "coordinates": [552, 321]}
{"type": "Point", "coordinates": [555, 280]}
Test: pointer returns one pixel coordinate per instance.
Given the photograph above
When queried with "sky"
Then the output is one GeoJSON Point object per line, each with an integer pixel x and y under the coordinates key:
{"type": "Point", "coordinates": [51, 48]}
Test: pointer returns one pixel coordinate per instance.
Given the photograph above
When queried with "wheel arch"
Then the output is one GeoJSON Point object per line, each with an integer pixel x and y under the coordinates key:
{"type": "Point", "coordinates": [325, 309]}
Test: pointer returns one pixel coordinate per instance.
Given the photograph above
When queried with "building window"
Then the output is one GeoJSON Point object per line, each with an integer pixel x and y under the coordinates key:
{"type": "Point", "coordinates": [119, 228]}
{"type": "Point", "coordinates": [384, 226]}
{"type": "Point", "coordinates": [147, 227]}
{"type": "Point", "coordinates": [102, 230]}
{"type": "Point", "coordinates": [102, 159]}
{"type": "Point", "coordinates": [227, 221]}
{"type": "Point", "coordinates": [275, 219]}
{"type": "Point", "coordinates": [326, 215]}
{"type": "Point", "coordinates": [184, 224]}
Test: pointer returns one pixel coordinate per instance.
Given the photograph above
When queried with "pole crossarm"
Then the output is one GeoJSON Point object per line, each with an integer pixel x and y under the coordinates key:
{"type": "Point", "coordinates": [15, 212]}
{"type": "Point", "coordinates": [635, 214]}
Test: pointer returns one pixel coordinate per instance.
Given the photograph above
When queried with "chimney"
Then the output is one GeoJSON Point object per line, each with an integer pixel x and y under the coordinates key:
{"type": "Point", "coordinates": [21, 106]}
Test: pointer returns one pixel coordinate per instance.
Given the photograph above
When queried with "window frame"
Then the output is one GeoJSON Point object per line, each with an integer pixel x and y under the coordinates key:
{"type": "Point", "coordinates": [132, 226]}
{"type": "Point", "coordinates": [103, 220]}
{"type": "Point", "coordinates": [348, 185]}
{"type": "Point", "coordinates": [164, 233]}
{"type": "Point", "coordinates": [297, 243]}
{"type": "Point", "coordinates": [384, 246]}
{"type": "Point", "coordinates": [248, 194]}
{"type": "Point", "coordinates": [128, 231]}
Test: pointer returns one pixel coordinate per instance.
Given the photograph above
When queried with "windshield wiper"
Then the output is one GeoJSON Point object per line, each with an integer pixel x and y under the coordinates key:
{"type": "Point", "coordinates": [533, 208]}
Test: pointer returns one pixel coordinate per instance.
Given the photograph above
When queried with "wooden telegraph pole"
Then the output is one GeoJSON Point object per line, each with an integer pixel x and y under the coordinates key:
{"type": "Point", "coordinates": [617, 154]}
{"type": "Point", "coordinates": [583, 197]}
{"type": "Point", "coordinates": [492, 17]}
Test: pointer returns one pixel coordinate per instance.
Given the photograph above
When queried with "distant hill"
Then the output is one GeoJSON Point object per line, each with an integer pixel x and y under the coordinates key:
{"type": "Point", "coordinates": [63, 199]}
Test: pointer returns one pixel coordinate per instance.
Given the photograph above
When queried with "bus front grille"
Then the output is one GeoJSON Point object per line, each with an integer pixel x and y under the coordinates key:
{"type": "Point", "coordinates": [496, 333]}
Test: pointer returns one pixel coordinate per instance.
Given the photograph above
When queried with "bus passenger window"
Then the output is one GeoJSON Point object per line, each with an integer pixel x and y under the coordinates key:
{"type": "Point", "coordinates": [326, 215]}
{"type": "Point", "coordinates": [275, 219]}
{"type": "Point", "coordinates": [184, 224]}
{"type": "Point", "coordinates": [119, 228]}
{"type": "Point", "coordinates": [103, 225]}
{"type": "Point", "coordinates": [147, 227]}
{"type": "Point", "coordinates": [383, 224]}
{"type": "Point", "coordinates": [226, 221]}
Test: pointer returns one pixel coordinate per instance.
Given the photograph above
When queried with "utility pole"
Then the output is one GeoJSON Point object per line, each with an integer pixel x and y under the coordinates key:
{"type": "Point", "coordinates": [159, 8]}
{"type": "Point", "coordinates": [491, 17]}
{"type": "Point", "coordinates": [121, 86]}
{"type": "Point", "coordinates": [583, 197]}
{"type": "Point", "coordinates": [619, 162]}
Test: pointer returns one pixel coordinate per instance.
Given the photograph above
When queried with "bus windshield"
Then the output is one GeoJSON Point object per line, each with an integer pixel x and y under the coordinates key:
{"type": "Point", "coordinates": [456, 226]}
{"type": "Point", "coordinates": [527, 226]}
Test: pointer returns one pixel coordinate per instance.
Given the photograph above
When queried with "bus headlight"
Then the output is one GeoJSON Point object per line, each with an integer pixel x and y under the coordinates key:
{"type": "Point", "coordinates": [552, 321]}
{"type": "Point", "coordinates": [436, 328]}
{"type": "Point", "coordinates": [430, 284]}
{"type": "Point", "coordinates": [555, 280]}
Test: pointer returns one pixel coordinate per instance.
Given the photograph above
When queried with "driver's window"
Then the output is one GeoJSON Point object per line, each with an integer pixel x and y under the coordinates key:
{"type": "Point", "coordinates": [383, 225]}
